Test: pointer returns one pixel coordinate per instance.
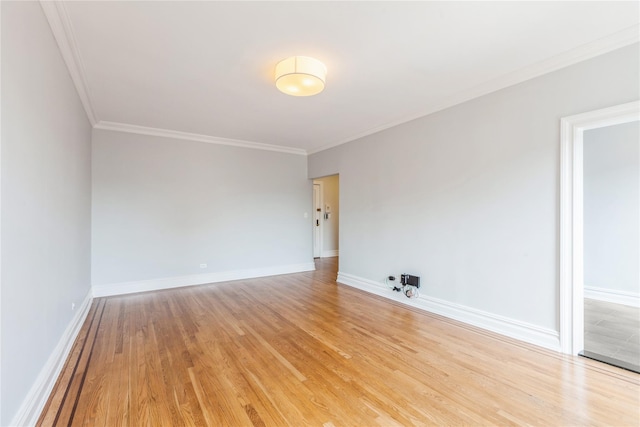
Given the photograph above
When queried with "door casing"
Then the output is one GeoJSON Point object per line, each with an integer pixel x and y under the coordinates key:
{"type": "Point", "coordinates": [571, 332]}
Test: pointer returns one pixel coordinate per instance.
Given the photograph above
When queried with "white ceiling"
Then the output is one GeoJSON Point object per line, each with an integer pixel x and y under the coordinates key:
{"type": "Point", "coordinates": [206, 68]}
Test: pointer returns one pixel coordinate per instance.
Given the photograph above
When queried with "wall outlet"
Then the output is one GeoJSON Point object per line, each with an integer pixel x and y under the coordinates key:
{"type": "Point", "coordinates": [203, 265]}
{"type": "Point", "coordinates": [407, 279]}
{"type": "Point", "coordinates": [73, 306]}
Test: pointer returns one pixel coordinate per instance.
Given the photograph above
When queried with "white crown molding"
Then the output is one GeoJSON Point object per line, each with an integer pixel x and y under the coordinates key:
{"type": "Point", "coordinates": [38, 395]}
{"type": "Point", "coordinates": [167, 133]}
{"type": "Point", "coordinates": [124, 288]}
{"type": "Point", "coordinates": [62, 30]}
{"type": "Point", "coordinates": [502, 325]}
{"type": "Point", "coordinates": [598, 47]}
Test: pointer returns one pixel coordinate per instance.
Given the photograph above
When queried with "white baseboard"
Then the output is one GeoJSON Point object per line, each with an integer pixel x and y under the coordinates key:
{"type": "Point", "coordinates": [512, 328]}
{"type": "Point", "coordinates": [330, 254]}
{"type": "Point", "coordinates": [38, 395]}
{"type": "Point", "coordinates": [610, 295]}
{"type": "Point", "coordinates": [196, 279]}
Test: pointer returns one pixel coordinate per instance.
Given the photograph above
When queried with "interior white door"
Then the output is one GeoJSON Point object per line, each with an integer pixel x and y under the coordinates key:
{"type": "Point", "coordinates": [317, 212]}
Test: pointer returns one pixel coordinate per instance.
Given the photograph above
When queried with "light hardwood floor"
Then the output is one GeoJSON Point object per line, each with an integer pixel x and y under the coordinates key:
{"type": "Point", "coordinates": [302, 350]}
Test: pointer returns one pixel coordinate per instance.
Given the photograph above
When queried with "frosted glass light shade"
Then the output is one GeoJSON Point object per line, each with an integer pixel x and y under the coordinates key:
{"type": "Point", "coordinates": [300, 76]}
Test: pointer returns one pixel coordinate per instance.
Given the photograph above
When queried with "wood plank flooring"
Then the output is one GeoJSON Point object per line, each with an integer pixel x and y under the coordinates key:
{"type": "Point", "coordinates": [302, 350]}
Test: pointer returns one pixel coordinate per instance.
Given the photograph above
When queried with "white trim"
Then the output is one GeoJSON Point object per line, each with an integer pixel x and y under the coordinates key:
{"type": "Point", "coordinates": [38, 395]}
{"type": "Point", "coordinates": [512, 328]}
{"type": "Point", "coordinates": [330, 253]}
{"type": "Point", "coordinates": [167, 133]}
{"type": "Point", "coordinates": [604, 45]}
{"type": "Point", "coordinates": [196, 279]}
{"type": "Point", "coordinates": [571, 216]}
{"type": "Point", "coordinates": [62, 30]}
{"type": "Point", "coordinates": [611, 295]}
{"type": "Point", "coordinates": [0, 226]}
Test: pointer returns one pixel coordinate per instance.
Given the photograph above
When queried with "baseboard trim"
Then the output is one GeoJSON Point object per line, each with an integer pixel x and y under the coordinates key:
{"type": "Point", "coordinates": [610, 295]}
{"type": "Point", "coordinates": [330, 254]}
{"type": "Point", "coordinates": [38, 395]}
{"type": "Point", "coordinates": [532, 334]}
{"type": "Point", "coordinates": [124, 288]}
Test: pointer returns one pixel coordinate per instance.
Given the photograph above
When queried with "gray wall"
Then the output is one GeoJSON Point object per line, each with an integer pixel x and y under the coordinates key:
{"type": "Point", "coordinates": [46, 196]}
{"type": "Point", "coordinates": [468, 198]}
{"type": "Point", "coordinates": [161, 207]}
{"type": "Point", "coordinates": [612, 208]}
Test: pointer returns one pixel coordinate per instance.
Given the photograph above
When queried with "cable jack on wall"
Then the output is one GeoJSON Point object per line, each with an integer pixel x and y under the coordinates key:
{"type": "Point", "coordinates": [408, 285]}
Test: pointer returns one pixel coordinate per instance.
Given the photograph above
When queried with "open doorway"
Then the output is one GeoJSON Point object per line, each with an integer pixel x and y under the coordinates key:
{"type": "Point", "coordinates": [326, 219]}
{"type": "Point", "coordinates": [611, 226]}
{"type": "Point", "coordinates": [573, 256]}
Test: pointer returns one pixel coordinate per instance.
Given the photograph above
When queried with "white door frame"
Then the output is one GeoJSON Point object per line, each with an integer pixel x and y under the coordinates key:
{"type": "Point", "coordinates": [318, 235]}
{"type": "Point", "coordinates": [571, 216]}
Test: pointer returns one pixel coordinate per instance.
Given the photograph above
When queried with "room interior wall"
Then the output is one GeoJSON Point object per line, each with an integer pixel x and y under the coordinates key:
{"type": "Point", "coordinates": [331, 225]}
{"type": "Point", "coordinates": [468, 198]}
{"type": "Point", "coordinates": [612, 208]}
{"type": "Point", "coordinates": [46, 212]}
{"type": "Point", "coordinates": [162, 207]}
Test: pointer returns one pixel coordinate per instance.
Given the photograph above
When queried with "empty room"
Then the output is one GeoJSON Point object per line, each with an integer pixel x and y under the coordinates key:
{"type": "Point", "coordinates": [331, 213]}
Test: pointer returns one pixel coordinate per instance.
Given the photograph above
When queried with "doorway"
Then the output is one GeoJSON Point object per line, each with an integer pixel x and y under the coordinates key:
{"type": "Point", "coordinates": [572, 220]}
{"type": "Point", "coordinates": [611, 230]}
{"type": "Point", "coordinates": [326, 217]}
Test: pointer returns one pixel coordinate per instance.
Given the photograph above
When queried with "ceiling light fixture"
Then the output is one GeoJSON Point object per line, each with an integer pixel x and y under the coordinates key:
{"type": "Point", "coordinates": [300, 76]}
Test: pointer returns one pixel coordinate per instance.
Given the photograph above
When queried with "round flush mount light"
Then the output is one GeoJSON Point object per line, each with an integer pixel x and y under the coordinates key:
{"type": "Point", "coordinates": [300, 76]}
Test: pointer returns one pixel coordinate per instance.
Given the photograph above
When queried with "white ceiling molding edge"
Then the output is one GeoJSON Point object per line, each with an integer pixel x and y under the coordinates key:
{"type": "Point", "coordinates": [604, 45]}
{"type": "Point", "coordinates": [167, 133]}
{"type": "Point", "coordinates": [62, 30]}
{"type": "Point", "coordinates": [56, 14]}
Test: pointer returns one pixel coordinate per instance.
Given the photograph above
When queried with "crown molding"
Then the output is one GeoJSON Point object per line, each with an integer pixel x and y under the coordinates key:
{"type": "Point", "coordinates": [167, 133]}
{"type": "Point", "coordinates": [60, 24]}
{"type": "Point", "coordinates": [586, 51]}
{"type": "Point", "coordinates": [62, 29]}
